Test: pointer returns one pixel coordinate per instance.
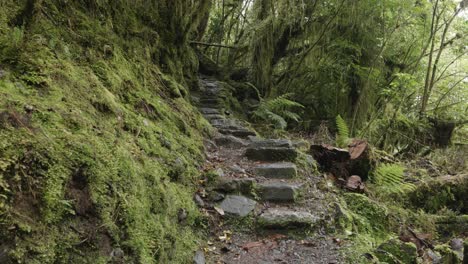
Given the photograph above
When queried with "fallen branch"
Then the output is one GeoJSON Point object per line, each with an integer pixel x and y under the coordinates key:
{"type": "Point", "coordinates": [213, 45]}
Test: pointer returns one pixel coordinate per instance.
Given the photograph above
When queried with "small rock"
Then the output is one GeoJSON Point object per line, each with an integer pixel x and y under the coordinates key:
{"type": "Point", "coordinates": [117, 253]}
{"type": "Point", "coordinates": [237, 205]}
{"type": "Point", "coordinates": [199, 201]}
{"type": "Point", "coordinates": [181, 215]}
{"type": "Point", "coordinates": [456, 244]}
{"type": "Point", "coordinates": [215, 196]}
{"type": "Point", "coordinates": [210, 145]}
{"type": "Point", "coordinates": [237, 169]}
{"type": "Point", "coordinates": [199, 257]}
{"type": "Point", "coordinates": [220, 172]}
{"type": "Point", "coordinates": [355, 183]}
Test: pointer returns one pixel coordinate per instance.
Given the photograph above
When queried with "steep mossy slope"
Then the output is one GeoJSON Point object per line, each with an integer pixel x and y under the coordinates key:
{"type": "Point", "coordinates": [99, 149]}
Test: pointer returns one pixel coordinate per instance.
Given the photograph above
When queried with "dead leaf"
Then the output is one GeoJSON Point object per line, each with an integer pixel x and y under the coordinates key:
{"type": "Point", "coordinates": [219, 210]}
{"type": "Point", "coordinates": [226, 236]}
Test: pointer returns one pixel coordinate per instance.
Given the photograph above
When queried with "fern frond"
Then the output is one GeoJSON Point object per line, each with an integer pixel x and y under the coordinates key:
{"type": "Point", "coordinates": [342, 137]}
{"type": "Point", "coordinates": [277, 111]}
{"type": "Point", "coordinates": [390, 178]}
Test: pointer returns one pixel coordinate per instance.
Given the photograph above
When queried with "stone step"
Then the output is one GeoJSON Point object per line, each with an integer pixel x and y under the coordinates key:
{"type": "Point", "coordinates": [230, 141]}
{"type": "Point", "coordinates": [271, 150]}
{"type": "Point", "coordinates": [211, 117]}
{"type": "Point", "coordinates": [242, 133]}
{"type": "Point", "coordinates": [209, 111]}
{"type": "Point", "coordinates": [286, 218]}
{"type": "Point", "coordinates": [227, 124]}
{"type": "Point", "coordinates": [236, 185]}
{"type": "Point", "coordinates": [278, 191]}
{"type": "Point", "coordinates": [280, 170]}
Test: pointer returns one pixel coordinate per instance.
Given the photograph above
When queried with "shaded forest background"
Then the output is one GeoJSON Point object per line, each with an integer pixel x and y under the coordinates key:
{"type": "Point", "coordinates": [395, 70]}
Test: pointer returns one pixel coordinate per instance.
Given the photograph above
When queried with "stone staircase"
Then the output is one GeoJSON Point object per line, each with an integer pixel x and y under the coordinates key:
{"type": "Point", "coordinates": [271, 186]}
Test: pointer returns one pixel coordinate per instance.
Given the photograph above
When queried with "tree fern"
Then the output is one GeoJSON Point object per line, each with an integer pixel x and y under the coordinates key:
{"type": "Point", "coordinates": [342, 137]}
{"type": "Point", "coordinates": [390, 178]}
{"type": "Point", "coordinates": [277, 111]}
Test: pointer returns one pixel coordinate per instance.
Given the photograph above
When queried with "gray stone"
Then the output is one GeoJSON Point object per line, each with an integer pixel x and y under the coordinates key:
{"type": "Point", "coordinates": [209, 111]}
{"type": "Point", "coordinates": [225, 123]}
{"type": "Point", "coordinates": [199, 201]}
{"type": "Point", "coordinates": [280, 170]}
{"type": "Point", "coordinates": [240, 185]}
{"type": "Point", "coordinates": [237, 169]}
{"type": "Point", "coordinates": [230, 141]}
{"type": "Point", "coordinates": [271, 143]}
{"type": "Point", "coordinates": [199, 257]}
{"type": "Point", "coordinates": [242, 133]}
{"type": "Point", "coordinates": [215, 196]}
{"type": "Point", "coordinates": [211, 117]}
{"type": "Point", "coordinates": [286, 218]}
{"type": "Point", "coordinates": [271, 150]}
{"type": "Point", "coordinates": [219, 172]}
{"type": "Point", "coordinates": [237, 205]}
{"type": "Point", "coordinates": [278, 191]}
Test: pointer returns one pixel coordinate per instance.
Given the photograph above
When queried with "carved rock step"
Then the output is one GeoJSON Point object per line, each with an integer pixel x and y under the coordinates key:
{"type": "Point", "coordinates": [278, 191]}
{"type": "Point", "coordinates": [286, 218]}
{"type": "Point", "coordinates": [230, 141]}
{"type": "Point", "coordinates": [226, 123]}
{"type": "Point", "coordinates": [209, 111]}
{"type": "Point", "coordinates": [211, 117]}
{"type": "Point", "coordinates": [242, 133]}
{"type": "Point", "coordinates": [280, 170]}
{"type": "Point", "coordinates": [271, 150]}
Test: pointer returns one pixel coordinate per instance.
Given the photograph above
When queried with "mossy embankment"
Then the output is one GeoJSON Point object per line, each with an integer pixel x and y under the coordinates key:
{"type": "Point", "coordinates": [99, 147]}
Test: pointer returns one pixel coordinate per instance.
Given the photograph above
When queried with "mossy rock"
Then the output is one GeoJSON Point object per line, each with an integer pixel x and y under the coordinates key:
{"type": "Point", "coordinates": [369, 216]}
{"type": "Point", "coordinates": [448, 191]}
{"type": "Point", "coordinates": [395, 251]}
{"type": "Point", "coordinates": [448, 255]}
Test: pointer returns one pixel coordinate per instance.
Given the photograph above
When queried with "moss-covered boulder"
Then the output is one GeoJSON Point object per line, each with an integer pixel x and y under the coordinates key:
{"type": "Point", "coordinates": [448, 191]}
{"type": "Point", "coordinates": [395, 251]}
{"type": "Point", "coordinates": [449, 256]}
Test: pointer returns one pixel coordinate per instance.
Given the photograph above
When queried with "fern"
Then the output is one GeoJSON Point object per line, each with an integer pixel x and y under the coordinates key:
{"type": "Point", "coordinates": [277, 111]}
{"type": "Point", "coordinates": [342, 137]}
{"type": "Point", "coordinates": [390, 178]}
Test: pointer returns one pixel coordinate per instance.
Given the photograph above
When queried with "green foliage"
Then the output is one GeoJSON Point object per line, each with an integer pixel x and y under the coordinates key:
{"type": "Point", "coordinates": [277, 111]}
{"type": "Point", "coordinates": [389, 178]}
{"type": "Point", "coordinates": [342, 137]}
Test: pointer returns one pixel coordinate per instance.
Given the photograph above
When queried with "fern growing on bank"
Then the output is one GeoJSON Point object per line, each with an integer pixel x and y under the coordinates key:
{"type": "Point", "coordinates": [342, 137]}
{"type": "Point", "coordinates": [389, 178]}
{"type": "Point", "coordinates": [277, 111]}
